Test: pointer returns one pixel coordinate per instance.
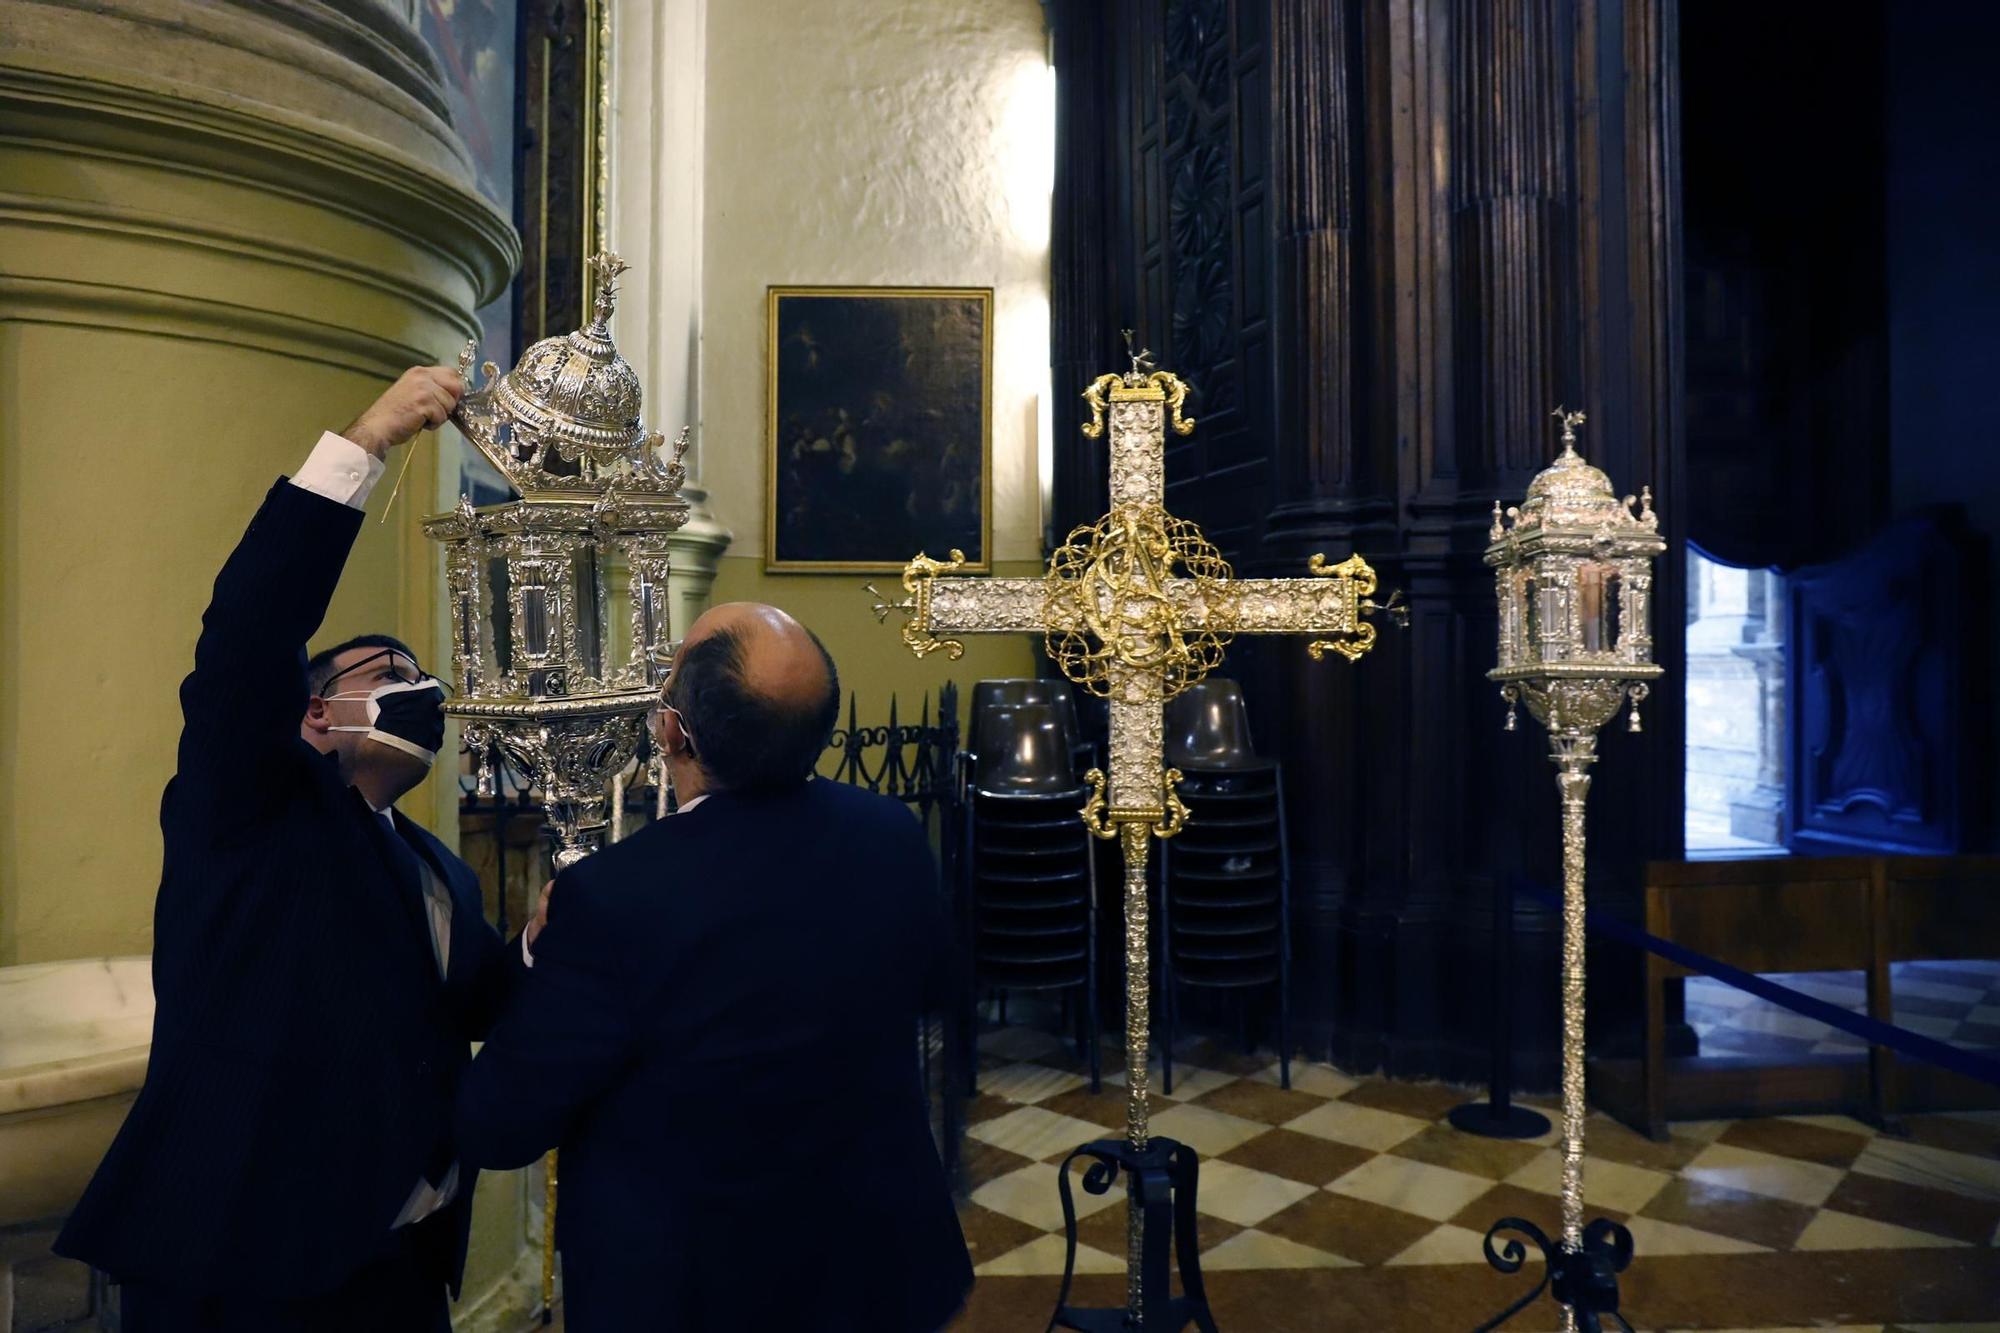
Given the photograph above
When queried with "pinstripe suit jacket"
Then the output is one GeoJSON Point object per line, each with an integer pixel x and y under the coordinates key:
{"type": "Point", "coordinates": [305, 1050]}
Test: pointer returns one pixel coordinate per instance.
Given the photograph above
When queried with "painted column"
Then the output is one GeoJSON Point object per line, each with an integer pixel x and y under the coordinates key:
{"type": "Point", "coordinates": [657, 123]}
{"type": "Point", "coordinates": [223, 229]}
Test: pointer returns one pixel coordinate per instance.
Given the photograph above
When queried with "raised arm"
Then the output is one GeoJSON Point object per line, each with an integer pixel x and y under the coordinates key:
{"type": "Point", "coordinates": [241, 705]}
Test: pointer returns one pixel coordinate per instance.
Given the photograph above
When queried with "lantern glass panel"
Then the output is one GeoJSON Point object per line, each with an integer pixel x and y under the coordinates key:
{"type": "Point", "coordinates": [650, 608]}
{"type": "Point", "coordinates": [467, 622]}
{"type": "Point", "coordinates": [1521, 608]}
{"type": "Point", "coordinates": [1550, 625]}
{"type": "Point", "coordinates": [1597, 588]}
{"type": "Point", "coordinates": [536, 617]}
{"type": "Point", "coordinates": [587, 599]}
{"type": "Point", "coordinates": [498, 631]}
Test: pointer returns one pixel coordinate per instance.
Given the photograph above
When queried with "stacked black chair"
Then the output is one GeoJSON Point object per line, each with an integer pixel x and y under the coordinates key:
{"type": "Point", "coordinates": [1226, 876]}
{"type": "Point", "coordinates": [1030, 882]}
{"type": "Point", "coordinates": [1035, 690]}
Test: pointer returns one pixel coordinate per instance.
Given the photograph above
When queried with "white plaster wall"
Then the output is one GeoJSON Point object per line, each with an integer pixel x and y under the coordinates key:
{"type": "Point", "coordinates": [870, 142]}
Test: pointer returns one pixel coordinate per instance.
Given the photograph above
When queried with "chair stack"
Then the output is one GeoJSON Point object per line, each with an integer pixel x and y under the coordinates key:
{"type": "Point", "coordinates": [1029, 880]}
{"type": "Point", "coordinates": [1225, 878]}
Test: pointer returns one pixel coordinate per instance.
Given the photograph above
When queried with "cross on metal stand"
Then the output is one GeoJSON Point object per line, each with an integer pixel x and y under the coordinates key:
{"type": "Point", "coordinates": [1136, 608]}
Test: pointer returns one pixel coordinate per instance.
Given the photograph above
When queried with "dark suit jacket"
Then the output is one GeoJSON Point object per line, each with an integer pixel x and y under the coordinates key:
{"type": "Point", "coordinates": [720, 1034]}
{"type": "Point", "coordinates": [305, 1051]}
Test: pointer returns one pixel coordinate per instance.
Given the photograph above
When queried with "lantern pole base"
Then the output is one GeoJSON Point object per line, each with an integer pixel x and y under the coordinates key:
{"type": "Point", "coordinates": [1493, 1120]}
{"type": "Point", "coordinates": [1583, 1280]}
{"type": "Point", "coordinates": [1162, 1179]}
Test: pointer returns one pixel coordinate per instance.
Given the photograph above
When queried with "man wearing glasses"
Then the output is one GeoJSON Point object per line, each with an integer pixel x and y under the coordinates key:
{"type": "Point", "coordinates": [320, 963]}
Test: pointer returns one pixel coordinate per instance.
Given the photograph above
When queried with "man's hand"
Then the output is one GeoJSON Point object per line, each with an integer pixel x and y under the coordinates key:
{"type": "Point", "coordinates": [541, 915]}
{"type": "Point", "coordinates": [424, 396]}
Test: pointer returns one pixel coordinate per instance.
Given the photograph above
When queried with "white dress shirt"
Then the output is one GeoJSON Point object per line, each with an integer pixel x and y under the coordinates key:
{"type": "Point", "coordinates": [339, 469]}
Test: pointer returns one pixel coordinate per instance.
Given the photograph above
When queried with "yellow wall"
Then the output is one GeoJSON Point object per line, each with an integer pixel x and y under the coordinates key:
{"type": "Point", "coordinates": [856, 143]}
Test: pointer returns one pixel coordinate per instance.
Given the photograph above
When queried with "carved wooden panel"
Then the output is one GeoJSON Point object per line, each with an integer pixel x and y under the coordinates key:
{"type": "Point", "coordinates": [1195, 220]}
{"type": "Point", "coordinates": [1884, 716]}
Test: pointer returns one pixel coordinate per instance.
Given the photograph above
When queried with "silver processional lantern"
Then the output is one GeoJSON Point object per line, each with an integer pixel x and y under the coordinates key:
{"type": "Point", "coordinates": [1573, 568]}
{"type": "Point", "coordinates": [559, 609]}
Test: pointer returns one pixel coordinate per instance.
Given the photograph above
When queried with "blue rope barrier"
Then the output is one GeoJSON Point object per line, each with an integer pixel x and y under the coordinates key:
{"type": "Point", "coordinates": [1971, 1064]}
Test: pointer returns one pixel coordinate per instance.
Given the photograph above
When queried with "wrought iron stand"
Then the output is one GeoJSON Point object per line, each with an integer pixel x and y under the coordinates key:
{"type": "Point", "coordinates": [1585, 1279]}
{"type": "Point", "coordinates": [1162, 1189]}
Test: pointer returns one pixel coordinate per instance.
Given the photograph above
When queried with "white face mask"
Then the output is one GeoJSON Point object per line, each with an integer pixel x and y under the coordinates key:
{"type": "Point", "coordinates": [404, 715]}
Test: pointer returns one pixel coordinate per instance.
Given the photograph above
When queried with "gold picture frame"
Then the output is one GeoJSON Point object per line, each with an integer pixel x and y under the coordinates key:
{"type": "Point", "coordinates": [867, 427]}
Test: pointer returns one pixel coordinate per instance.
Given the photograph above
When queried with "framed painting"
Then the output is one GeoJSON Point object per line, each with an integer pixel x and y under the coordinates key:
{"type": "Point", "coordinates": [879, 423]}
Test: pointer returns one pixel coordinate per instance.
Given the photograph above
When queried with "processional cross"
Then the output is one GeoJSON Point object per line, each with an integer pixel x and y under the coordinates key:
{"type": "Point", "coordinates": [1135, 609]}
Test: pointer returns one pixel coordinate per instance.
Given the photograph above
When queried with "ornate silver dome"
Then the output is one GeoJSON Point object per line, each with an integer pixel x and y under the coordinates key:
{"type": "Point", "coordinates": [574, 392]}
{"type": "Point", "coordinates": [571, 398]}
{"type": "Point", "coordinates": [1571, 494]}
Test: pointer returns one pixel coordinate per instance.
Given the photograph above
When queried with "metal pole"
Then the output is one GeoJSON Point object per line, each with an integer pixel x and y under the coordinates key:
{"type": "Point", "coordinates": [1138, 1002]}
{"type": "Point", "coordinates": [1573, 756]}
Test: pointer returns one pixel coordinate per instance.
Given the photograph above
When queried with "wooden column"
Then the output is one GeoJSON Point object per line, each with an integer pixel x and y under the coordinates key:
{"type": "Point", "coordinates": [1470, 216]}
{"type": "Point", "coordinates": [1327, 493]}
{"type": "Point", "coordinates": [1083, 339]}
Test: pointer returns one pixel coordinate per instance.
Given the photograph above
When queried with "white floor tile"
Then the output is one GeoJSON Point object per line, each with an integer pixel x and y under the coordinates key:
{"type": "Point", "coordinates": [1834, 1230]}
{"type": "Point", "coordinates": [1257, 1249]}
{"type": "Point", "coordinates": [1043, 1257]}
{"type": "Point", "coordinates": [1775, 1177]}
{"type": "Point", "coordinates": [1360, 1126]}
{"type": "Point", "coordinates": [1449, 1244]}
{"type": "Point", "coordinates": [1035, 1131]}
{"type": "Point", "coordinates": [1771, 1021]}
{"type": "Point", "coordinates": [1028, 1083]}
{"type": "Point", "coordinates": [1032, 1195]}
{"type": "Point", "coordinates": [1915, 1164]}
{"type": "Point", "coordinates": [1308, 1076]}
{"type": "Point", "coordinates": [1654, 1238]}
{"type": "Point", "coordinates": [1245, 1196]}
{"type": "Point", "coordinates": [1935, 990]}
{"type": "Point", "coordinates": [1605, 1184]}
{"type": "Point", "coordinates": [1435, 1192]}
{"type": "Point", "coordinates": [1846, 1124]}
{"type": "Point", "coordinates": [1190, 1082]}
{"type": "Point", "coordinates": [1210, 1133]}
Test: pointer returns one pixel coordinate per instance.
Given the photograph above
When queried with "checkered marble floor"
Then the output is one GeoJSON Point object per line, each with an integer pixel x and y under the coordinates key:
{"type": "Point", "coordinates": [1339, 1183]}
{"type": "Point", "coordinates": [1955, 1002]}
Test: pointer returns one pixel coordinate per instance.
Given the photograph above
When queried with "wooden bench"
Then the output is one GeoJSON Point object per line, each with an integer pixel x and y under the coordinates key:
{"type": "Point", "coordinates": [1811, 914]}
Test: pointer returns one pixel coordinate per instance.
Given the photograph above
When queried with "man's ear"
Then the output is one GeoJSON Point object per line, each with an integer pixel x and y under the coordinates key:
{"type": "Point", "coordinates": [673, 741]}
{"type": "Point", "coordinates": [316, 718]}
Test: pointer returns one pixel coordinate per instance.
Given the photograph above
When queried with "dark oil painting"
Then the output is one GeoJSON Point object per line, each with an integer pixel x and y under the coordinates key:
{"type": "Point", "coordinates": [878, 421]}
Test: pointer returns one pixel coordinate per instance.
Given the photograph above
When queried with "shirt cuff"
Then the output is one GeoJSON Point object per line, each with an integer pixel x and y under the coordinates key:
{"type": "Point", "coordinates": [527, 954]}
{"type": "Point", "coordinates": [340, 470]}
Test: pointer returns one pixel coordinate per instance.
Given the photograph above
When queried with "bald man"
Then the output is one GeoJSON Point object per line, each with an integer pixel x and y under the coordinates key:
{"type": "Point", "coordinates": [718, 1030]}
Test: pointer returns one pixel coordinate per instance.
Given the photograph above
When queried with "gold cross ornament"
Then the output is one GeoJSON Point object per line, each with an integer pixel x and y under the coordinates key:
{"type": "Point", "coordinates": [1136, 608]}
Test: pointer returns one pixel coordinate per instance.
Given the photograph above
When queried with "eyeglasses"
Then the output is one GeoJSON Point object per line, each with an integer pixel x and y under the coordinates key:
{"type": "Point", "coordinates": [401, 668]}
